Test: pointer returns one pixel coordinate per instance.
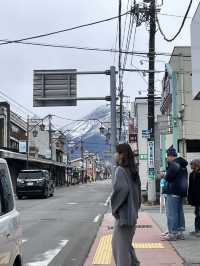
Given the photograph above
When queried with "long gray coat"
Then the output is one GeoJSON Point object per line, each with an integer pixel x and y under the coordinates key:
{"type": "Point", "coordinates": [125, 199]}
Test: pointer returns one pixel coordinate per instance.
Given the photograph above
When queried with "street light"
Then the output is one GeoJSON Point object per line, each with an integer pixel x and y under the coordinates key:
{"type": "Point", "coordinates": [42, 127]}
{"type": "Point", "coordinates": [102, 130]}
{"type": "Point", "coordinates": [35, 133]}
{"type": "Point", "coordinates": [108, 136]}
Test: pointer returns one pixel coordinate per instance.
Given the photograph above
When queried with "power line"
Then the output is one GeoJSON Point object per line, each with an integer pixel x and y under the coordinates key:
{"type": "Point", "coordinates": [135, 53]}
{"type": "Point", "coordinates": [129, 35]}
{"type": "Point", "coordinates": [16, 103]}
{"type": "Point", "coordinates": [173, 15]}
{"type": "Point", "coordinates": [124, 33]}
{"type": "Point", "coordinates": [134, 37]}
{"type": "Point", "coordinates": [180, 29]}
{"type": "Point", "coordinates": [64, 30]}
{"type": "Point", "coordinates": [115, 46]}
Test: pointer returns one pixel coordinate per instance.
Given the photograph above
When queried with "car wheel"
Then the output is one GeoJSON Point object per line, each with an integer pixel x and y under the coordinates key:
{"type": "Point", "coordinates": [46, 193]}
{"type": "Point", "coordinates": [52, 192]}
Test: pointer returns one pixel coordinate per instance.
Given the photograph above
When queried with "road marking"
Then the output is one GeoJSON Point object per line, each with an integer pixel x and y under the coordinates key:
{"type": "Point", "coordinates": [24, 241]}
{"type": "Point", "coordinates": [107, 201]}
{"type": "Point", "coordinates": [103, 255]}
{"type": "Point", "coordinates": [96, 219]}
{"type": "Point", "coordinates": [71, 203]}
{"type": "Point", "coordinates": [45, 258]}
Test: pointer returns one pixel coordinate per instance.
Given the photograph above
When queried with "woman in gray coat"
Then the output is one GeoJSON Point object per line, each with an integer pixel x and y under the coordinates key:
{"type": "Point", "coordinates": [125, 202]}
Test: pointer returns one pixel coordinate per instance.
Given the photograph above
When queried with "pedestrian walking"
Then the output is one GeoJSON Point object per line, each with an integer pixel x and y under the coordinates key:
{"type": "Point", "coordinates": [194, 194]}
{"type": "Point", "coordinates": [125, 203]}
{"type": "Point", "coordinates": [177, 186]}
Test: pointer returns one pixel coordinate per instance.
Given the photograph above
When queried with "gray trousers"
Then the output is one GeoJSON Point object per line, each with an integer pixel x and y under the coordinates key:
{"type": "Point", "coordinates": [123, 251]}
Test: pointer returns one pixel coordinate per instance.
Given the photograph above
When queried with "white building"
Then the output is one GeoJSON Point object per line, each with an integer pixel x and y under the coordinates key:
{"type": "Point", "coordinates": [44, 143]}
{"type": "Point", "coordinates": [140, 112]}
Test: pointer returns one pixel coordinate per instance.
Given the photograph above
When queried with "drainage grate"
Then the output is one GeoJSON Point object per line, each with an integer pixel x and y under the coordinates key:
{"type": "Point", "coordinates": [144, 226]}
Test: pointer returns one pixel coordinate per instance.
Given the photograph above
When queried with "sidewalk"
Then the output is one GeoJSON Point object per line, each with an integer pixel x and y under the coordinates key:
{"type": "Point", "coordinates": [150, 250]}
{"type": "Point", "coordinates": [189, 249]}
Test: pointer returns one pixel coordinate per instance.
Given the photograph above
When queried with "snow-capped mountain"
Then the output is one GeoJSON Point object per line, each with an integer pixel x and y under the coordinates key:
{"type": "Point", "coordinates": [88, 129]}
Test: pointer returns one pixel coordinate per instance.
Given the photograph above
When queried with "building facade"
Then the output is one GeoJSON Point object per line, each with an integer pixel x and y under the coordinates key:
{"type": "Point", "coordinates": [12, 128]}
{"type": "Point", "coordinates": [140, 113]}
{"type": "Point", "coordinates": [179, 105]}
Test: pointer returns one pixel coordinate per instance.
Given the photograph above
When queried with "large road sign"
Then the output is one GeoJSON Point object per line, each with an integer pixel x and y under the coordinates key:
{"type": "Point", "coordinates": [54, 88]}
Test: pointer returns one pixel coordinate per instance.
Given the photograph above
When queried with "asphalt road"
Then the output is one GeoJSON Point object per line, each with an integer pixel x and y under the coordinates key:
{"type": "Point", "coordinates": [59, 231]}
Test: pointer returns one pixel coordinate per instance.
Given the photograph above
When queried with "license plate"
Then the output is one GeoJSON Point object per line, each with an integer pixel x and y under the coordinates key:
{"type": "Point", "coordinates": [30, 184]}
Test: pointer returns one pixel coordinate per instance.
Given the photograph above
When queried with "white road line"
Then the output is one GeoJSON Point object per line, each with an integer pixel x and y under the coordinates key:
{"type": "Point", "coordinates": [96, 219]}
{"type": "Point", "coordinates": [107, 201]}
{"type": "Point", "coordinates": [24, 241]}
{"type": "Point", "coordinates": [45, 258]}
{"type": "Point", "coordinates": [71, 203]}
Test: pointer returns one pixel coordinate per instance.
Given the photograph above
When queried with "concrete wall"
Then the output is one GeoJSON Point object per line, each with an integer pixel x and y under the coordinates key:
{"type": "Point", "coordinates": [41, 142]}
{"type": "Point", "coordinates": [189, 128]}
{"type": "Point", "coordinates": [141, 116]}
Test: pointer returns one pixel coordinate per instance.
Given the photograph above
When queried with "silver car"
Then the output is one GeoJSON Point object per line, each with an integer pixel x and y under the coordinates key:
{"type": "Point", "coordinates": [10, 229]}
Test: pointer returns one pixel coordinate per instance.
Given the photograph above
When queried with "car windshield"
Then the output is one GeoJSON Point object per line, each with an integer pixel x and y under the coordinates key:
{"type": "Point", "coordinates": [31, 175]}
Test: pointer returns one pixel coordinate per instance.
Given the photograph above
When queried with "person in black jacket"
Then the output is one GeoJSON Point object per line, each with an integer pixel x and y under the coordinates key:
{"type": "Point", "coordinates": [194, 194]}
{"type": "Point", "coordinates": [177, 186]}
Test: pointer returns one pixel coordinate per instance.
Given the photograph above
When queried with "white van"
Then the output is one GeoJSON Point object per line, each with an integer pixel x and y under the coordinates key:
{"type": "Point", "coordinates": [10, 230]}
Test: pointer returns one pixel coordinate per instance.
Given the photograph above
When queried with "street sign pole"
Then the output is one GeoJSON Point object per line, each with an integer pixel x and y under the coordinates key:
{"type": "Point", "coordinates": [59, 88]}
{"type": "Point", "coordinates": [113, 115]}
{"type": "Point", "coordinates": [27, 144]}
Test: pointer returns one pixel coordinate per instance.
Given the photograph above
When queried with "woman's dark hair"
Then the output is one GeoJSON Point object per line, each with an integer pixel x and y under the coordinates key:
{"type": "Point", "coordinates": [128, 160]}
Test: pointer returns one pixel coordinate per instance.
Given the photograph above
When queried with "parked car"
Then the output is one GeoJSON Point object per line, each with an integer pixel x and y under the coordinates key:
{"type": "Point", "coordinates": [34, 183]}
{"type": "Point", "coordinates": [10, 229]}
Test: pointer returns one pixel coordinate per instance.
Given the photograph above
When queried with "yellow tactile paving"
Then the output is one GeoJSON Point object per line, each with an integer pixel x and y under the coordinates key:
{"type": "Point", "coordinates": [103, 254]}
{"type": "Point", "coordinates": [104, 251]}
{"type": "Point", "coordinates": [148, 245]}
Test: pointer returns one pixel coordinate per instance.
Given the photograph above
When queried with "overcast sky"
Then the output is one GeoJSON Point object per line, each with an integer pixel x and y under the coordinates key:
{"type": "Point", "coordinates": [22, 18]}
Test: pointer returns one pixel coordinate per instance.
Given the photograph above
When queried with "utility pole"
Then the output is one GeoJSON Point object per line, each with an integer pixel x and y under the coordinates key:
{"type": "Point", "coordinates": [50, 135]}
{"type": "Point", "coordinates": [120, 72]}
{"type": "Point", "coordinates": [82, 161]}
{"type": "Point", "coordinates": [151, 105]}
{"type": "Point", "coordinates": [27, 144]}
{"type": "Point", "coordinates": [113, 115]}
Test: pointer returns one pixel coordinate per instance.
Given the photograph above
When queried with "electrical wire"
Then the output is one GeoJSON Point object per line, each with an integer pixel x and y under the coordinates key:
{"type": "Point", "coordinates": [115, 46]}
{"type": "Point", "coordinates": [172, 15]}
{"type": "Point", "coordinates": [64, 30]}
{"type": "Point", "coordinates": [124, 33]}
{"type": "Point", "coordinates": [135, 53]}
{"type": "Point", "coordinates": [129, 36]}
{"type": "Point", "coordinates": [180, 29]}
{"type": "Point", "coordinates": [134, 37]}
{"type": "Point", "coordinates": [16, 103]}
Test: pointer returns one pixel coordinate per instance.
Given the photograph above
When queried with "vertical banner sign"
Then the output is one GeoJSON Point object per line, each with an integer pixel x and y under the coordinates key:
{"type": "Point", "coordinates": [151, 160]}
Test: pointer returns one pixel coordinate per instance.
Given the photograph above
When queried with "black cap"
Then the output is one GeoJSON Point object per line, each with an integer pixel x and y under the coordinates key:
{"type": "Point", "coordinates": [172, 152]}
